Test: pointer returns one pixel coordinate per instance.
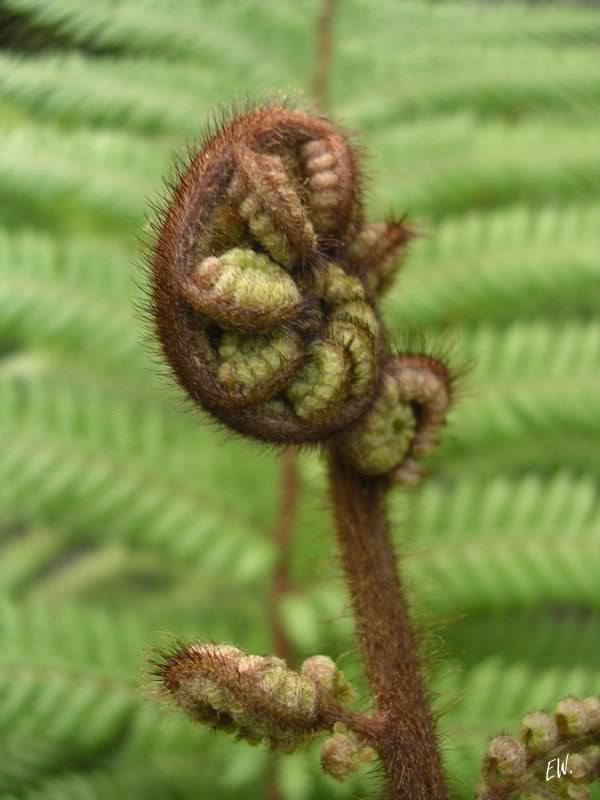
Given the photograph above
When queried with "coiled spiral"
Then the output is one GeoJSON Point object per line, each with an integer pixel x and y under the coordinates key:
{"type": "Point", "coordinates": [264, 279]}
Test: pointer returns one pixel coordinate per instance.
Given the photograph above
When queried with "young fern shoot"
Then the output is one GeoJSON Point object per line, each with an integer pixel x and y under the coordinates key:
{"type": "Point", "coordinates": [265, 283]}
{"type": "Point", "coordinates": [555, 757]}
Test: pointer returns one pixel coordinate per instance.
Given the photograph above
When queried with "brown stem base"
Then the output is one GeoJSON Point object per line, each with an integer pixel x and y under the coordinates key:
{"type": "Point", "coordinates": [283, 541]}
{"type": "Point", "coordinates": [406, 743]}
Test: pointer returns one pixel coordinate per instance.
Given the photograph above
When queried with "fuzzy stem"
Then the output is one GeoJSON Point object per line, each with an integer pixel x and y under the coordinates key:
{"type": "Point", "coordinates": [280, 584]}
{"type": "Point", "coordinates": [273, 791]}
{"type": "Point", "coordinates": [283, 541]}
{"type": "Point", "coordinates": [324, 53]}
{"type": "Point", "coordinates": [406, 741]}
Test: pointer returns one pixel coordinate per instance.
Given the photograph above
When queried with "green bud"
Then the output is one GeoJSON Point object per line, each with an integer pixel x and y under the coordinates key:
{"type": "Point", "coordinates": [505, 756]}
{"type": "Point", "coordinates": [342, 756]}
{"type": "Point", "coordinates": [571, 717]}
{"type": "Point", "coordinates": [539, 731]}
{"type": "Point", "coordinates": [252, 366]}
{"type": "Point", "coordinates": [322, 382]}
{"type": "Point", "coordinates": [383, 437]}
{"type": "Point", "coordinates": [245, 289]}
{"type": "Point", "coordinates": [592, 710]}
{"type": "Point", "coordinates": [323, 671]}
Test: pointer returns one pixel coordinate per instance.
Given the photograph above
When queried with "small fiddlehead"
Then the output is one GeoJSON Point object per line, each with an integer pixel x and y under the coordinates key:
{"type": "Point", "coordinates": [556, 755]}
{"type": "Point", "coordinates": [258, 698]}
{"type": "Point", "coordinates": [265, 279]}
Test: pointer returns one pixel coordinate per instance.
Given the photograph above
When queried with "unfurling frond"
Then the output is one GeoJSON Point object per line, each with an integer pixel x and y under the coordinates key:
{"type": "Point", "coordinates": [258, 698]}
{"type": "Point", "coordinates": [555, 757]}
{"type": "Point", "coordinates": [264, 280]}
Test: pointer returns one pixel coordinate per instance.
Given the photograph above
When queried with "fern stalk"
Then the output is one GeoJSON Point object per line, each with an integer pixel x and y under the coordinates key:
{"type": "Point", "coordinates": [405, 736]}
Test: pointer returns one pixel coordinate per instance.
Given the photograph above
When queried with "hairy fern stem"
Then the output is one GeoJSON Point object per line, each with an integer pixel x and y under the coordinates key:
{"type": "Point", "coordinates": [406, 739]}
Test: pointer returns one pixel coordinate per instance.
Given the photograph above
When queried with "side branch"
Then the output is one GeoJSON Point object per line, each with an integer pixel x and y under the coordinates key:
{"type": "Point", "coordinates": [406, 743]}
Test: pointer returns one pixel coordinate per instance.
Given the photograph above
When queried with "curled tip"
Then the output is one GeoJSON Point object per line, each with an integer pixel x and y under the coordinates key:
{"type": "Point", "coordinates": [377, 252]}
{"type": "Point", "coordinates": [539, 731]}
{"type": "Point", "coordinates": [256, 697]}
{"type": "Point", "coordinates": [582, 766]}
{"type": "Point", "coordinates": [260, 319]}
{"type": "Point", "coordinates": [505, 756]}
{"type": "Point", "coordinates": [405, 420]}
{"type": "Point", "coordinates": [592, 709]}
{"type": "Point", "coordinates": [324, 672]}
{"type": "Point", "coordinates": [571, 717]}
{"type": "Point", "coordinates": [264, 283]}
{"type": "Point", "coordinates": [342, 755]}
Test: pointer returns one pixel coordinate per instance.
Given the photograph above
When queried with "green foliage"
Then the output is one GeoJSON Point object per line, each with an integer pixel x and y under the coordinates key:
{"type": "Point", "coordinates": [125, 517]}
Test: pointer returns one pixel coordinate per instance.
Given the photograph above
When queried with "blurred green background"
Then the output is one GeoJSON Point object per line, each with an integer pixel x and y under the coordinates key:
{"type": "Point", "coordinates": [123, 516]}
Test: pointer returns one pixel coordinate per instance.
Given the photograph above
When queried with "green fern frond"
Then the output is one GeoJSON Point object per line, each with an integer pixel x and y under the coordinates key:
{"type": "Point", "coordinates": [155, 97]}
{"type": "Point", "coordinates": [495, 267]}
{"type": "Point", "coordinates": [168, 780]}
{"type": "Point", "coordinates": [474, 78]}
{"type": "Point", "coordinates": [514, 26]}
{"type": "Point", "coordinates": [506, 545]}
{"type": "Point", "coordinates": [26, 763]}
{"type": "Point", "coordinates": [42, 691]}
{"type": "Point", "coordinates": [110, 476]}
{"type": "Point", "coordinates": [173, 29]}
{"type": "Point", "coordinates": [542, 637]}
{"type": "Point", "coordinates": [100, 497]}
{"type": "Point", "coordinates": [107, 572]}
{"type": "Point", "coordinates": [577, 452]}
{"type": "Point", "coordinates": [99, 415]}
{"type": "Point", "coordinates": [427, 170]}
{"type": "Point", "coordinates": [159, 28]}
{"type": "Point", "coordinates": [526, 411]}
{"type": "Point", "coordinates": [96, 264]}
{"type": "Point", "coordinates": [78, 179]}
{"type": "Point", "coordinates": [23, 554]}
{"type": "Point", "coordinates": [113, 477]}
{"type": "Point", "coordinates": [500, 507]}
{"type": "Point", "coordinates": [538, 351]}
{"type": "Point", "coordinates": [46, 302]}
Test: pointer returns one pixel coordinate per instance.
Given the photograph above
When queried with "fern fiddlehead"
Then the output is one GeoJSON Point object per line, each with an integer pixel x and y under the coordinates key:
{"type": "Point", "coordinates": [265, 279]}
{"type": "Point", "coordinates": [556, 755]}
